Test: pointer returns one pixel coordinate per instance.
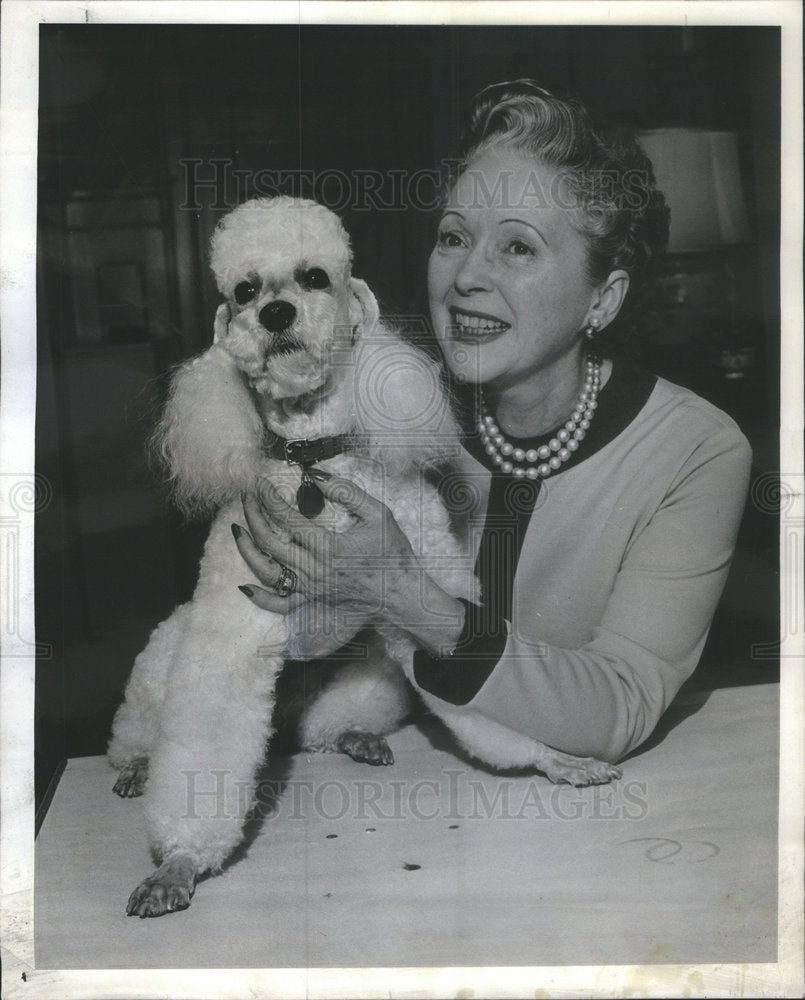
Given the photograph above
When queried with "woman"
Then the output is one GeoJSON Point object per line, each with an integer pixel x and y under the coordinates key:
{"type": "Point", "coordinates": [609, 499]}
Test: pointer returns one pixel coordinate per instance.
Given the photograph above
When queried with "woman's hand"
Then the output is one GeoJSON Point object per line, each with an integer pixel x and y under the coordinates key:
{"type": "Point", "coordinates": [338, 580]}
{"type": "Point", "coordinates": [367, 572]}
{"type": "Point", "coordinates": [351, 567]}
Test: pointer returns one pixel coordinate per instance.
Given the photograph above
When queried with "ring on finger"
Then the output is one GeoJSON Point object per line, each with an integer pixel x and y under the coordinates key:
{"type": "Point", "coordinates": [286, 584]}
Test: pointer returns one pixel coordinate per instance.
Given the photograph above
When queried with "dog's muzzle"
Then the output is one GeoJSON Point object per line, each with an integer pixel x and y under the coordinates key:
{"type": "Point", "coordinates": [277, 316]}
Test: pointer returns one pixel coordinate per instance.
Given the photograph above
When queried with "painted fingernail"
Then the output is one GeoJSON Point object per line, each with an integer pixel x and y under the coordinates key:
{"type": "Point", "coordinates": [237, 531]}
{"type": "Point", "coordinates": [246, 590]}
{"type": "Point", "coordinates": [319, 474]}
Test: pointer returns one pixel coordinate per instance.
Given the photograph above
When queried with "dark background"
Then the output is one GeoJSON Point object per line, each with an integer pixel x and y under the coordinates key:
{"type": "Point", "coordinates": [130, 115]}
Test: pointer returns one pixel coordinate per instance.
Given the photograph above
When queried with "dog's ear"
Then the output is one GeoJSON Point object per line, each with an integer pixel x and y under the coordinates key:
{"type": "Point", "coordinates": [223, 314]}
{"type": "Point", "coordinates": [210, 436]}
{"type": "Point", "coordinates": [364, 311]}
{"type": "Point", "coordinates": [401, 405]}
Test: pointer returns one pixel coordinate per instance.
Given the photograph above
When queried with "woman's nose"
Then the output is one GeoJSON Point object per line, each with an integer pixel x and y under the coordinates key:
{"type": "Point", "coordinates": [474, 273]}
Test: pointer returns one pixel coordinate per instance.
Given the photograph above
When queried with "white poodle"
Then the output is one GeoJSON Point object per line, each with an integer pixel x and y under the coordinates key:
{"type": "Point", "coordinates": [300, 355]}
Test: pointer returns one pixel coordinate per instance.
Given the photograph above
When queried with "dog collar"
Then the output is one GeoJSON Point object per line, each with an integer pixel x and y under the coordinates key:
{"type": "Point", "coordinates": [306, 452]}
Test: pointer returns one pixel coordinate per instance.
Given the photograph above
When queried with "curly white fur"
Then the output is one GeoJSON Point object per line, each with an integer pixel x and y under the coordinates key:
{"type": "Point", "coordinates": [197, 714]}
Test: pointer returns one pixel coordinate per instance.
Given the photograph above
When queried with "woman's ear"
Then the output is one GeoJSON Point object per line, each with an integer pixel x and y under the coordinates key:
{"type": "Point", "coordinates": [364, 311]}
{"type": "Point", "coordinates": [608, 299]}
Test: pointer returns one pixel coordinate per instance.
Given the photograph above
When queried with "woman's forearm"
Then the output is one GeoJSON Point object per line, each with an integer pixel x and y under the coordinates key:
{"type": "Point", "coordinates": [432, 618]}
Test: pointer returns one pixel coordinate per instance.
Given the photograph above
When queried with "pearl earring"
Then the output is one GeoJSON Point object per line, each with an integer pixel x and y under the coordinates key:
{"type": "Point", "coordinates": [592, 328]}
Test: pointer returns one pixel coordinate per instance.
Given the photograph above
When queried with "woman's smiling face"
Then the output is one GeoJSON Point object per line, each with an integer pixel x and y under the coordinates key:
{"type": "Point", "coordinates": [509, 289]}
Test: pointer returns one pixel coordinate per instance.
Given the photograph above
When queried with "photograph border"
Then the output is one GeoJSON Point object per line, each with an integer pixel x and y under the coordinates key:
{"type": "Point", "coordinates": [18, 216]}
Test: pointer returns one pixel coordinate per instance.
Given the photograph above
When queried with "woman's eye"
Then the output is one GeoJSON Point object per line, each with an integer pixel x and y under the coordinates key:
{"type": "Point", "coordinates": [245, 291]}
{"type": "Point", "coordinates": [314, 279]}
{"type": "Point", "coordinates": [450, 239]}
{"type": "Point", "coordinates": [519, 249]}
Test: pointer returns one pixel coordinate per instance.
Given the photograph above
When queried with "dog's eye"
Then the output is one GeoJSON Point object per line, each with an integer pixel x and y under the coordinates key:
{"type": "Point", "coordinates": [244, 292]}
{"type": "Point", "coordinates": [314, 279]}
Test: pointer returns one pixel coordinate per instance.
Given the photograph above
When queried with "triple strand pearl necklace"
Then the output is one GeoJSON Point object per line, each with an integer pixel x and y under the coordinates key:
{"type": "Point", "coordinates": [558, 450]}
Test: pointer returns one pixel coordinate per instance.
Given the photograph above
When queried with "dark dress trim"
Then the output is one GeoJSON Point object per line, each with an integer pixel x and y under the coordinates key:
{"type": "Point", "coordinates": [459, 676]}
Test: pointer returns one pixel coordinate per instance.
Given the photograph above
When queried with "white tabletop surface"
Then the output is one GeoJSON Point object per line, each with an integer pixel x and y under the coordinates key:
{"type": "Point", "coordinates": [434, 862]}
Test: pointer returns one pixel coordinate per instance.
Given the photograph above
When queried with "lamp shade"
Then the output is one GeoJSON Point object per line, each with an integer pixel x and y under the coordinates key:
{"type": "Point", "coordinates": [699, 174]}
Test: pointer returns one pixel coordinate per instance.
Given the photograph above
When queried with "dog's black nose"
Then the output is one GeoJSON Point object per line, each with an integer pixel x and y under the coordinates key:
{"type": "Point", "coordinates": [277, 316]}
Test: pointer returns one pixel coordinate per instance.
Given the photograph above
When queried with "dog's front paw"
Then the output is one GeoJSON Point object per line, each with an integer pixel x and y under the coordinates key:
{"type": "Point", "coordinates": [131, 780]}
{"type": "Point", "coordinates": [170, 888]}
{"type": "Point", "coordinates": [366, 748]}
{"type": "Point", "coordinates": [578, 771]}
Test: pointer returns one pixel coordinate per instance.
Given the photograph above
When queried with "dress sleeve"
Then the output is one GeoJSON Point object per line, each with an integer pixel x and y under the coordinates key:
{"type": "Point", "coordinates": [459, 676]}
{"type": "Point", "coordinates": [605, 698]}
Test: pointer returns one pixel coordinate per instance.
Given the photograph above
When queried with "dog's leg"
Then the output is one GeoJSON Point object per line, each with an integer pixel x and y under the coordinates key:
{"type": "Point", "coordinates": [364, 747]}
{"type": "Point", "coordinates": [170, 888]}
{"type": "Point", "coordinates": [565, 768]}
{"type": "Point", "coordinates": [365, 701]}
{"type": "Point", "coordinates": [132, 778]}
{"type": "Point", "coordinates": [502, 748]}
{"type": "Point", "coordinates": [497, 746]}
{"type": "Point", "coordinates": [216, 721]}
{"type": "Point", "coordinates": [136, 725]}
{"type": "Point", "coordinates": [201, 782]}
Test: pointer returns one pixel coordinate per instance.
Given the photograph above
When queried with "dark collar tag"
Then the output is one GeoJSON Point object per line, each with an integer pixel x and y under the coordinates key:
{"type": "Point", "coordinates": [309, 498]}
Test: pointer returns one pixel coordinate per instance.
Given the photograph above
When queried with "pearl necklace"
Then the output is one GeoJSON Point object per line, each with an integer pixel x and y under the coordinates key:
{"type": "Point", "coordinates": [559, 449]}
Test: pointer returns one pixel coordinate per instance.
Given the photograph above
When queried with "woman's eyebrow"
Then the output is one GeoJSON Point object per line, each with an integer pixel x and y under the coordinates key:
{"type": "Point", "coordinates": [524, 223]}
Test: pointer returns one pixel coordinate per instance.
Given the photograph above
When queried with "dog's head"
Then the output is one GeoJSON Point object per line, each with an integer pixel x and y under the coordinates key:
{"type": "Point", "coordinates": [283, 265]}
{"type": "Point", "coordinates": [307, 338]}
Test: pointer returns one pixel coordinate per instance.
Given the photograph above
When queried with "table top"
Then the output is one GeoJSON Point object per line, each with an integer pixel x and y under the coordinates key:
{"type": "Point", "coordinates": [435, 862]}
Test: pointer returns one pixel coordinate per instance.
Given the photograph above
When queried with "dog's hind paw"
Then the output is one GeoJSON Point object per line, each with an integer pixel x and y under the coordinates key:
{"type": "Point", "coordinates": [578, 771]}
{"type": "Point", "coordinates": [366, 748]}
{"type": "Point", "coordinates": [131, 780]}
{"type": "Point", "coordinates": [170, 888]}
